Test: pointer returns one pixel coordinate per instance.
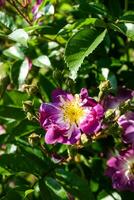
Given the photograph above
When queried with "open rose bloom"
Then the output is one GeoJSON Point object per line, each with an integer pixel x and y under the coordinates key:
{"type": "Point", "coordinates": [68, 116]}
{"type": "Point", "coordinates": [121, 170]}
{"type": "Point", "coordinates": [126, 121]}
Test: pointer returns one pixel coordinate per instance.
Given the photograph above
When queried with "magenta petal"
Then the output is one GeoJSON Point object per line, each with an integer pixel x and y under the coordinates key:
{"type": "Point", "coordinates": [58, 94]}
{"type": "Point", "coordinates": [127, 123]}
{"type": "Point", "coordinates": [48, 114]}
{"type": "Point", "coordinates": [53, 135]}
{"type": "Point", "coordinates": [75, 135]}
{"type": "Point", "coordinates": [90, 125]}
{"type": "Point", "coordinates": [112, 162]}
{"type": "Point", "coordinates": [99, 110]}
{"type": "Point", "coordinates": [119, 170]}
{"type": "Point", "coordinates": [39, 1]}
{"type": "Point", "coordinates": [83, 93]}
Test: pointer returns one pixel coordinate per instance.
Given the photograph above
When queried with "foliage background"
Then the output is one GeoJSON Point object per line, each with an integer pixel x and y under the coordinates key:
{"type": "Point", "coordinates": [74, 44]}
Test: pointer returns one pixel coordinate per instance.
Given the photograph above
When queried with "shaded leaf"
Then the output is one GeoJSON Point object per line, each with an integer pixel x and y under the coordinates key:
{"type": "Point", "coordinates": [57, 189]}
{"type": "Point", "coordinates": [74, 184]}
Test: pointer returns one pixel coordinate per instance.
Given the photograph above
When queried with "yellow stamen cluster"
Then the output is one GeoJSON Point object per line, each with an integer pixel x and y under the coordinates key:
{"type": "Point", "coordinates": [72, 111]}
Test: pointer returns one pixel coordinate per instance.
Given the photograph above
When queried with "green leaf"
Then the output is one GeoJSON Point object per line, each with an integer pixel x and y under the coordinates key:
{"type": "Point", "coordinates": [128, 17]}
{"type": "Point", "coordinates": [6, 21]}
{"type": "Point", "coordinates": [11, 112]}
{"type": "Point", "coordinates": [4, 171]}
{"type": "Point", "coordinates": [15, 69]}
{"type": "Point", "coordinates": [124, 28]}
{"type": "Point", "coordinates": [13, 194]}
{"type": "Point", "coordinates": [14, 97]}
{"type": "Point", "coordinates": [81, 45]}
{"type": "Point", "coordinates": [46, 86]}
{"type": "Point", "coordinates": [4, 81]}
{"type": "Point", "coordinates": [45, 193]}
{"type": "Point", "coordinates": [42, 61]}
{"type": "Point", "coordinates": [19, 36]}
{"type": "Point", "coordinates": [57, 189]}
{"type": "Point", "coordinates": [130, 30]}
{"type": "Point", "coordinates": [24, 69]}
{"type": "Point", "coordinates": [103, 195]}
{"type": "Point", "coordinates": [80, 23]}
{"type": "Point", "coordinates": [14, 52]}
{"type": "Point", "coordinates": [24, 127]}
{"type": "Point", "coordinates": [74, 184]}
{"type": "Point", "coordinates": [23, 162]}
{"type": "Point", "coordinates": [27, 192]}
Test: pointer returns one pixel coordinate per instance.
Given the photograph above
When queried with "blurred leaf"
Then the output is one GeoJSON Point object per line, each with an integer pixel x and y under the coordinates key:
{"type": "Point", "coordinates": [11, 112]}
{"type": "Point", "coordinates": [14, 97]}
{"type": "Point", "coordinates": [74, 184]}
{"type": "Point", "coordinates": [96, 8]}
{"type": "Point", "coordinates": [130, 30]}
{"type": "Point", "coordinates": [13, 194]}
{"type": "Point", "coordinates": [124, 28]}
{"type": "Point", "coordinates": [57, 189]}
{"type": "Point", "coordinates": [27, 192]}
{"type": "Point", "coordinates": [45, 193]}
{"type": "Point", "coordinates": [113, 81]}
{"type": "Point", "coordinates": [81, 45]}
{"type": "Point", "coordinates": [19, 36]}
{"type": "Point", "coordinates": [24, 69]}
{"type": "Point", "coordinates": [128, 17]}
{"type": "Point", "coordinates": [108, 196]}
{"type": "Point", "coordinates": [4, 172]}
{"type": "Point", "coordinates": [114, 8]}
{"type": "Point", "coordinates": [46, 86]}
{"type": "Point", "coordinates": [42, 61]}
{"type": "Point", "coordinates": [14, 52]}
{"type": "Point", "coordinates": [4, 81]}
{"type": "Point", "coordinates": [6, 21]}
{"type": "Point", "coordinates": [94, 186]}
{"type": "Point", "coordinates": [24, 127]}
{"type": "Point", "coordinates": [23, 162]}
{"type": "Point", "coordinates": [15, 69]}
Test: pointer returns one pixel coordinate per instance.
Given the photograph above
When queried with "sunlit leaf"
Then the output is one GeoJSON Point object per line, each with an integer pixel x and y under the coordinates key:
{"type": "Point", "coordinates": [81, 45]}
{"type": "Point", "coordinates": [19, 36]}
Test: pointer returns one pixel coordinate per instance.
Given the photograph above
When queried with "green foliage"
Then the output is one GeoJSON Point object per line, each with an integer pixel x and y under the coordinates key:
{"type": "Point", "coordinates": [81, 45]}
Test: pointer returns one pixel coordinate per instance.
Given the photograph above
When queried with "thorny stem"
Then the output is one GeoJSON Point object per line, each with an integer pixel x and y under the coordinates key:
{"type": "Point", "coordinates": [12, 2]}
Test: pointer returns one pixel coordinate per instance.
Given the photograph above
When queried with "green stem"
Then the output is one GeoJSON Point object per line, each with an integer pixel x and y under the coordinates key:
{"type": "Point", "coordinates": [126, 5]}
{"type": "Point", "coordinates": [12, 3]}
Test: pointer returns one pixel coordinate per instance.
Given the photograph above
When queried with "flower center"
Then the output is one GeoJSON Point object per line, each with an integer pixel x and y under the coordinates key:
{"type": "Point", "coordinates": [131, 169]}
{"type": "Point", "coordinates": [72, 111]}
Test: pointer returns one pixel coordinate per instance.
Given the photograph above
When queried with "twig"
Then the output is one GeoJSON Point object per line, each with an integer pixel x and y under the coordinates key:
{"type": "Point", "coordinates": [20, 12]}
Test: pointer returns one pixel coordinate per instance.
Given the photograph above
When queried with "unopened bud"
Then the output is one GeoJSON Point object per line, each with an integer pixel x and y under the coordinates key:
{"type": "Point", "coordinates": [27, 106]}
{"type": "Point", "coordinates": [104, 88]}
{"type": "Point", "coordinates": [30, 116]}
{"type": "Point", "coordinates": [34, 139]}
{"type": "Point", "coordinates": [125, 106]}
{"type": "Point", "coordinates": [30, 89]}
{"type": "Point", "coordinates": [84, 138]}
